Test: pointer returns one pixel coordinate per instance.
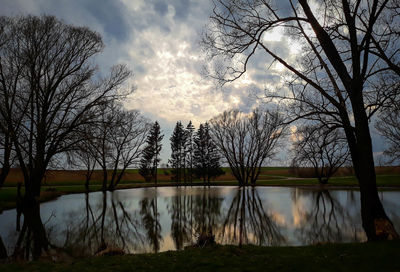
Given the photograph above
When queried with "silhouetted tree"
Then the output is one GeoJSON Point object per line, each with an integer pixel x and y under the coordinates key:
{"type": "Point", "coordinates": [84, 154]}
{"type": "Point", "coordinates": [47, 77]}
{"type": "Point", "coordinates": [48, 91]}
{"type": "Point", "coordinates": [150, 157]}
{"type": "Point", "coordinates": [177, 161]}
{"type": "Point", "coordinates": [206, 156]}
{"type": "Point", "coordinates": [189, 150]}
{"type": "Point", "coordinates": [119, 137]}
{"type": "Point", "coordinates": [388, 126]}
{"type": "Point", "coordinates": [347, 69]}
{"type": "Point", "coordinates": [247, 141]}
{"type": "Point", "coordinates": [7, 156]}
{"type": "Point", "coordinates": [321, 149]}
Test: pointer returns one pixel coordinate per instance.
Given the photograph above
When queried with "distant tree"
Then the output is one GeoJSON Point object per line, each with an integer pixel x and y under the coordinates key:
{"type": "Point", "coordinates": [189, 146]}
{"type": "Point", "coordinates": [247, 140]}
{"type": "Point", "coordinates": [388, 126]}
{"type": "Point", "coordinates": [177, 161]}
{"type": "Point", "coordinates": [84, 154]}
{"type": "Point", "coordinates": [206, 156]}
{"type": "Point", "coordinates": [145, 168]}
{"type": "Point", "coordinates": [126, 137]}
{"type": "Point", "coordinates": [324, 150]}
{"type": "Point", "coordinates": [150, 157]}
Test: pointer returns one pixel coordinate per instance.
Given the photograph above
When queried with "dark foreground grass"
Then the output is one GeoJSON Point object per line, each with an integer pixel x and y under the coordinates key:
{"type": "Point", "coordinates": [378, 256]}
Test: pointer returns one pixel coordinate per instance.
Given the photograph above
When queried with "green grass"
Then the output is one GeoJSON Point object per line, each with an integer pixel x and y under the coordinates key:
{"type": "Point", "coordinates": [378, 256]}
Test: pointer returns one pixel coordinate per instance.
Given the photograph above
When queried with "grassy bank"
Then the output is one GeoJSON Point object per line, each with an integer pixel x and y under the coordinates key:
{"type": "Point", "coordinates": [66, 182]}
{"type": "Point", "coordinates": [378, 256]}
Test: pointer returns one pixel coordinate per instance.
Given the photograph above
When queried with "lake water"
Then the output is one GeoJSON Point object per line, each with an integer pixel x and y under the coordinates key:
{"type": "Point", "coordinates": [170, 218]}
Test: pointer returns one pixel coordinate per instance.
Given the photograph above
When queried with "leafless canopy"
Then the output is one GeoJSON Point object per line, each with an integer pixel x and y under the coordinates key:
{"type": "Point", "coordinates": [247, 140]}
{"type": "Point", "coordinates": [347, 69]}
{"type": "Point", "coordinates": [47, 88]}
{"type": "Point", "coordinates": [323, 150]}
{"type": "Point", "coordinates": [388, 126]}
{"type": "Point", "coordinates": [115, 141]}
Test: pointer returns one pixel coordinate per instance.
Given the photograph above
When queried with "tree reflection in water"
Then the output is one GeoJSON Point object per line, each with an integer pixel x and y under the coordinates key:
{"type": "Point", "coordinates": [113, 227]}
{"type": "Point", "coordinates": [3, 250]}
{"type": "Point", "coordinates": [247, 221]}
{"type": "Point", "coordinates": [32, 239]}
{"type": "Point", "coordinates": [194, 215]}
{"type": "Point", "coordinates": [151, 220]}
{"type": "Point", "coordinates": [201, 215]}
{"type": "Point", "coordinates": [327, 220]}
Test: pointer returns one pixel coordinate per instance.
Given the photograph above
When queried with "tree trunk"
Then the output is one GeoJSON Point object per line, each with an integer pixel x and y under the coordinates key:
{"type": "Point", "coordinates": [104, 187]}
{"type": "Point", "coordinates": [376, 223]}
{"type": "Point", "coordinates": [6, 161]}
{"type": "Point", "coordinates": [4, 173]}
{"type": "Point", "coordinates": [33, 222]}
{"type": "Point", "coordinates": [3, 251]}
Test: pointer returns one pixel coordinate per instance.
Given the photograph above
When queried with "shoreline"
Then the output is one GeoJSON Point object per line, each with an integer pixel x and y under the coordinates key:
{"type": "Point", "coordinates": [50, 193]}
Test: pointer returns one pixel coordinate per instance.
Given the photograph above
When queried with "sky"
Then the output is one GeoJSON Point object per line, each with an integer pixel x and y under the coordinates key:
{"type": "Point", "coordinates": [160, 42]}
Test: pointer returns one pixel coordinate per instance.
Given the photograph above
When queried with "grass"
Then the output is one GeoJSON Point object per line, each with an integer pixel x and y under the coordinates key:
{"type": "Point", "coordinates": [377, 256]}
{"type": "Point", "coordinates": [67, 182]}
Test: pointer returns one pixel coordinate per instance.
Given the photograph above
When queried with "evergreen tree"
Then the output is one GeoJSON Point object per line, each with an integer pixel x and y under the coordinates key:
{"type": "Point", "coordinates": [150, 159]}
{"type": "Point", "coordinates": [177, 160]}
{"type": "Point", "coordinates": [145, 164]}
{"type": "Point", "coordinates": [189, 145]}
{"type": "Point", "coordinates": [206, 157]}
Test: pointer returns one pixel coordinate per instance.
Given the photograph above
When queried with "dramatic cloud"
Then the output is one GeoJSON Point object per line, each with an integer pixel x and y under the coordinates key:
{"type": "Point", "coordinates": [160, 42]}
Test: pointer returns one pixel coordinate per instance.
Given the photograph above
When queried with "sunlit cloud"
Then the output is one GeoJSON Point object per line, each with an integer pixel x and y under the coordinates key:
{"type": "Point", "coordinates": [160, 42]}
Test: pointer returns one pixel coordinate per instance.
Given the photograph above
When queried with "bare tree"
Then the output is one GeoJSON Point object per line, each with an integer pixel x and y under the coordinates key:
{"type": "Point", "coordinates": [117, 140]}
{"type": "Point", "coordinates": [48, 92]}
{"type": "Point", "coordinates": [388, 126]}
{"type": "Point", "coordinates": [53, 94]}
{"type": "Point", "coordinates": [346, 70]}
{"type": "Point", "coordinates": [6, 155]}
{"type": "Point", "coordinates": [247, 141]}
{"type": "Point", "coordinates": [325, 151]}
{"type": "Point", "coordinates": [84, 154]}
{"type": "Point", "coordinates": [127, 138]}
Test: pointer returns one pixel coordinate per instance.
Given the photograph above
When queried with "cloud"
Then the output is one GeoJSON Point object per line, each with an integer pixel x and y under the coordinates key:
{"type": "Point", "coordinates": [159, 41]}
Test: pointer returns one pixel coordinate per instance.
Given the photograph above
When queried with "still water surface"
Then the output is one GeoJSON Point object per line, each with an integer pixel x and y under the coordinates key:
{"type": "Point", "coordinates": [170, 218]}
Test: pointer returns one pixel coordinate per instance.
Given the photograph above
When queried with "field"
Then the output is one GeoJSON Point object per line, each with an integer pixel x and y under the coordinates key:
{"type": "Point", "coordinates": [58, 182]}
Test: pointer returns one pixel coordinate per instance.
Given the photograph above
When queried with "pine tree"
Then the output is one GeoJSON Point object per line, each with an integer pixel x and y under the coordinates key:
{"type": "Point", "coordinates": [150, 159]}
{"type": "Point", "coordinates": [189, 146]}
{"type": "Point", "coordinates": [206, 157]}
{"type": "Point", "coordinates": [178, 140]}
{"type": "Point", "coordinates": [145, 164]}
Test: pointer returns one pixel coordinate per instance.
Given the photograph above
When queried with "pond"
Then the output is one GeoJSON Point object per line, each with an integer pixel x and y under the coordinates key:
{"type": "Point", "coordinates": [170, 218]}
